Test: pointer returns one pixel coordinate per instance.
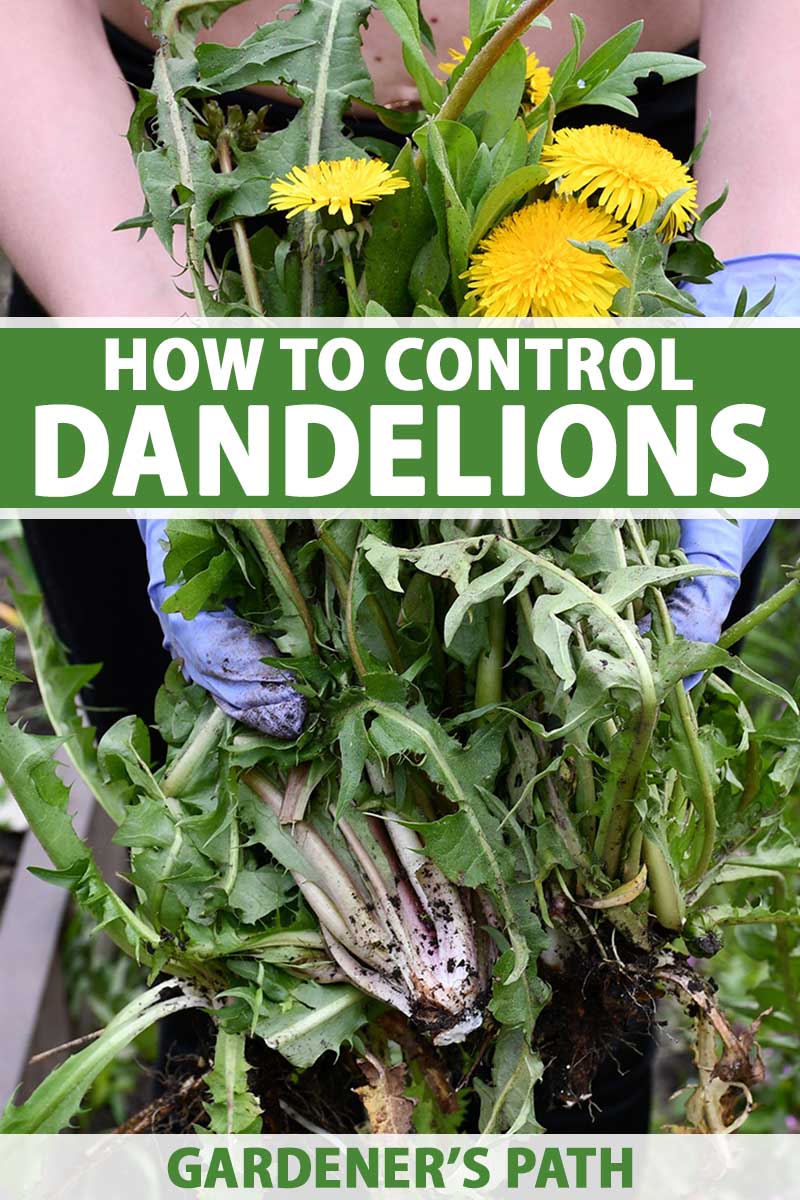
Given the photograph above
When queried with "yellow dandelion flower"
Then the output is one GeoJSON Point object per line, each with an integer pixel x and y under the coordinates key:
{"type": "Point", "coordinates": [527, 267]}
{"type": "Point", "coordinates": [539, 80]}
{"type": "Point", "coordinates": [456, 57]}
{"type": "Point", "coordinates": [632, 173]}
{"type": "Point", "coordinates": [337, 186]}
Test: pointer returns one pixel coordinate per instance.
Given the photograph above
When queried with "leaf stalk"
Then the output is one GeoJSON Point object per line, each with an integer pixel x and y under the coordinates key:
{"type": "Point", "coordinates": [271, 554]}
{"type": "Point", "coordinates": [487, 58]}
{"type": "Point", "coordinates": [241, 241]}
{"type": "Point", "coordinates": [761, 613]}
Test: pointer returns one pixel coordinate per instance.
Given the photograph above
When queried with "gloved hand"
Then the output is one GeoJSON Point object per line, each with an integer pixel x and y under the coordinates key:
{"type": "Point", "coordinates": [700, 606]}
{"type": "Point", "coordinates": [759, 273]}
{"type": "Point", "coordinates": [220, 652]}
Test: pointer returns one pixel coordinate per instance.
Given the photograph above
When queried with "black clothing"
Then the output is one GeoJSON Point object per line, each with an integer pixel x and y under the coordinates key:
{"type": "Point", "coordinates": [94, 578]}
{"type": "Point", "coordinates": [622, 1094]}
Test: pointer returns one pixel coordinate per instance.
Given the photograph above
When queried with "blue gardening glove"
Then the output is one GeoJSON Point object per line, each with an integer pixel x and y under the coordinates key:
{"type": "Point", "coordinates": [699, 607]}
{"type": "Point", "coordinates": [759, 273]}
{"type": "Point", "coordinates": [220, 652]}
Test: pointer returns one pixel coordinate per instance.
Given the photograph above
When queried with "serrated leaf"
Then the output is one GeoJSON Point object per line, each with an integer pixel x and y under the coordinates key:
{"type": "Point", "coordinates": [325, 75]}
{"type": "Point", "coordinates": [186, 166]}
{"type": "Point", "coordinates": [682, 659]}
{"type": "Point", "coordinates": [694, 261]}
{"type": "Point", "coordinates": [355, 749]}
{"type": "Point", "coordinates": [755, 914]}
{"type": "Point", "coordinates": [596, 550]}
{"type": "Point", "coordinates": [446, 560]}
{"type": "Point", "coordinates": [319, 1018]}
{"type": "Point", "coordinates": [258, 893]}
{"type": "Point", "coordinates": [629, 583]}
{"type": "Point", "coordinates": [26, 764]}
{"type": "Point", "coordinates": [201, 593]}
{"type": "Point", "coordinates": [467, 846]}
{"type": "Point", "coordinates": [229, 68]}
{"type": "Point", "coordinates": [60, 684]}
{"type": "Point", "coordinates": [507, 1103]}
{"type": "Point", "coordinates": [179, 20]}
{"type": "Point", "coordinates": [600, 66]}
{"type": "Point", "coordinates": [146, 825]}
{"type": "Point", "coordinates": [232, 1108]}
{"type": "Point", "coordinates": [642, 259]}
{"type": "Point", "coordinates": [613, 91]}
{"type": "Point", "coordinates": [517, 1000]}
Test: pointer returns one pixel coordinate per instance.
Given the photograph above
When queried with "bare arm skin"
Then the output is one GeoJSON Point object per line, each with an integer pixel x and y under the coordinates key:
{"type": "Point", "coordinates": [67, 176]}
{"type": "Point", "coordinates": [752, 89]}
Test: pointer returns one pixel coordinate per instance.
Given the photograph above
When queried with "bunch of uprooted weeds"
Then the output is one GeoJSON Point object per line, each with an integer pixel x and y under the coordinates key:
{"type": "Point", "coordinates": [503, 799]}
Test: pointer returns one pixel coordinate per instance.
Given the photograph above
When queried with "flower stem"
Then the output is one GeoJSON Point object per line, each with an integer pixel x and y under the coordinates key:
{"type": "Point", "coordinates": [666, 900]}
{"type": "Point", "coordinates": [762, 613]}
{"type": "Point", "coordinates": [354, 306]}
{"type": "Point", "coordinates": [307, 298]}
{"type": "Point", "coordinates": [193, 753]}
{"type": "Point", "coordinates": [751, 778]}
{"type": "Point", "coordinates": [508, 33]}
{"type": "Point", "coordinates": [489, 682]}
{"type": "Point", "coordinates": [633, 858]}
{"type": "Point", "coordinates": [176, 118]}
{"type": "Point", "coordinates": [240, 240]}
{"type": "Point", "coordinates": [267, 543]}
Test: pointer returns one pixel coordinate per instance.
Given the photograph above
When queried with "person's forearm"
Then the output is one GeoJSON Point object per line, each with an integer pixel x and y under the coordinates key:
{"type": "Point", "coordinates": [751, 88]}
{"type": "Point", "coordinates": [68, 177]}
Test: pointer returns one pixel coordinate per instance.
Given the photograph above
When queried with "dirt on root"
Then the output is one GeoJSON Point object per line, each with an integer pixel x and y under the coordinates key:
{"type": "Point", "coordinates": [179, 1107]}
{"type": "Point", "coordinates": [602, 1012]}
{"type": "Point", "coordinates": [320, 1099]}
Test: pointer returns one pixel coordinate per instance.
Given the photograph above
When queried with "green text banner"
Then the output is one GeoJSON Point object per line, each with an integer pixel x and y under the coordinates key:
{"type": "Point", "coordinates": [400, 417]}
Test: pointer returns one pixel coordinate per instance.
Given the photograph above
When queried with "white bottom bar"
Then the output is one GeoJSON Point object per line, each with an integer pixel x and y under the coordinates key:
{"type": "Point", "coordinates": [648, 1168]}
